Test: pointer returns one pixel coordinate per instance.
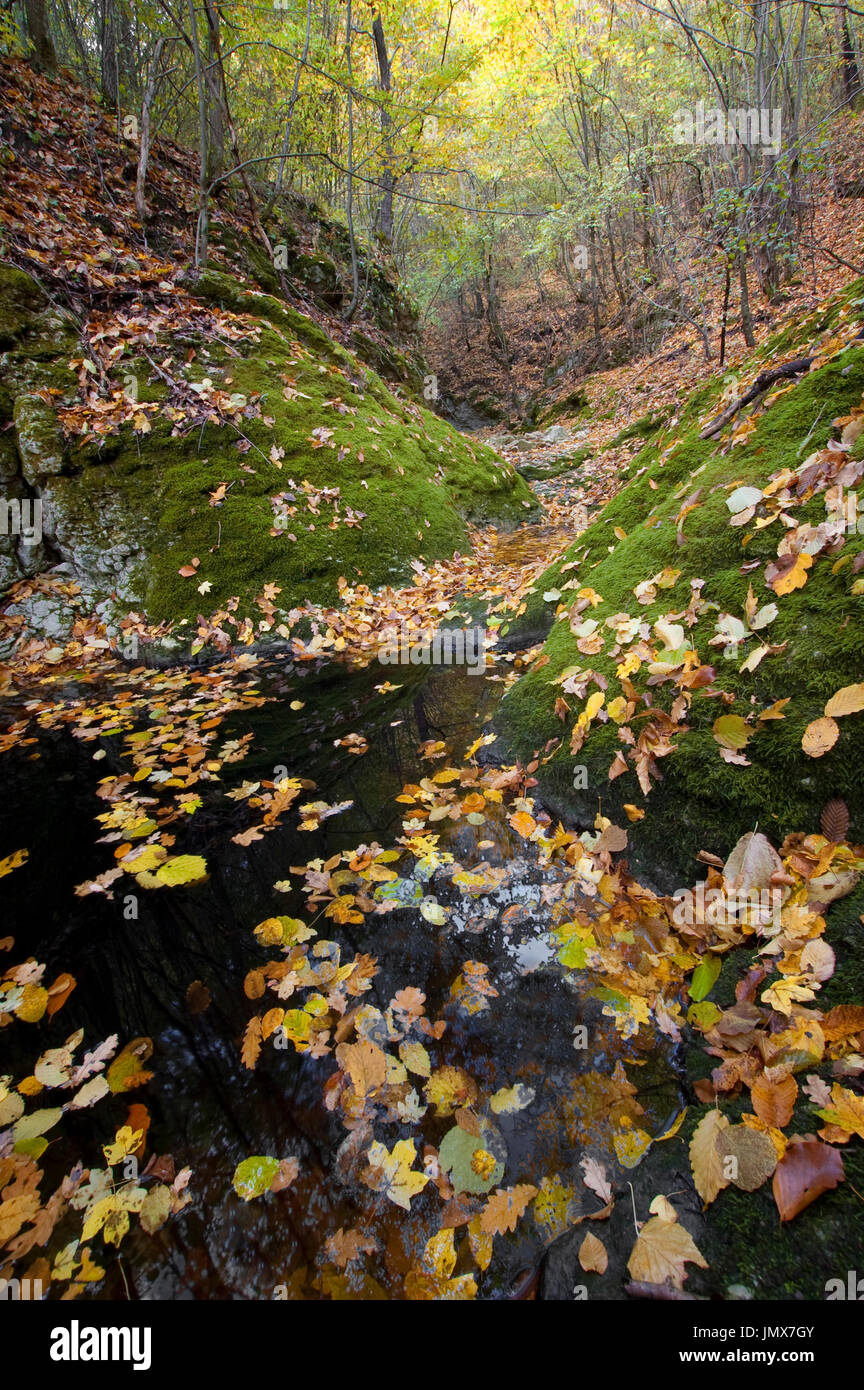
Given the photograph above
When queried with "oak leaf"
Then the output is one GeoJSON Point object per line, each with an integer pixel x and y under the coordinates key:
{"type": "Point", "coordinates": [505, 1207]}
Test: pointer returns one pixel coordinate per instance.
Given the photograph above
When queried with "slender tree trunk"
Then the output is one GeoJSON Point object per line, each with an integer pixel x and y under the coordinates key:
{"type": "Point", "coordinates": [388, 180]}
{"type": "Point", "coordinates": [850, 74]}
{"type": "Point", "coordinates": [215, 106]}
{"type": "Point", "coordinates": [108, 75]}
{"type": "Point", "coordinates": [727, 288]}
{"type": "Point", "coordinates": [144, 153]}
{"type": "Point", "coordinates": [349, 207]}
{"type": "Point", "coordinates": [44, 56]}
{"type": "Point", "coordinates": [202, 232]}
{"type": "Point", "coordinates": [746, 315]}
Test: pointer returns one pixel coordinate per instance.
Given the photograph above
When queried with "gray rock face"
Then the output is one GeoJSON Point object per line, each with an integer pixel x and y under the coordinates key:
{"type": "Point", "coordinates": [40, 443]}
{"type": "Point", "coordinates": [556, 434]}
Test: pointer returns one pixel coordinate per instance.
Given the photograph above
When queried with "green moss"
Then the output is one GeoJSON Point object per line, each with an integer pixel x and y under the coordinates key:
{"type": "Point", "coordinates": [416, 480]}
{"type": "Point", "coordinates": [703, 802]}
{"type": "Point", "coordinates": [744, 1242]}
{"type": "Point", "coordinates": [20, 299]}
{"type": "Point", "coordinates": [642, 428]}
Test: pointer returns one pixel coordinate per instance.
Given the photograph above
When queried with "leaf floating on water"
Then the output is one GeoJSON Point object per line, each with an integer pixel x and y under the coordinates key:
{"type": "Point", "coordinates": [252, 1177]}
{"type": "Point", "coordinates": [592, 1255]}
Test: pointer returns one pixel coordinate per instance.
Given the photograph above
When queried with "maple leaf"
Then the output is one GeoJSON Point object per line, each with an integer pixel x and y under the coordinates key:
{"type": "Point", "coordinates": [505, 1207]}
{"type": "Point", "coordinates": [126, 1141]}
{"type": "Point", "coordinates": [661, 1251]}
{"type": "Point", "coordinates": [786, 992]}
{"type": "Point", "coordinates": [846, 1110]}
{"type": "Point", "coordinates": [391, 1172]}
{"type": "Point", "coordinates": [345, 1246]}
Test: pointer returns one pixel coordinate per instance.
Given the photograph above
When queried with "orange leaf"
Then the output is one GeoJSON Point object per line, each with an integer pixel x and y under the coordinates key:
{"type": "Point", "coordinates": [774, 1101]}
{"type": "Point", "coordinates": [522, 823]}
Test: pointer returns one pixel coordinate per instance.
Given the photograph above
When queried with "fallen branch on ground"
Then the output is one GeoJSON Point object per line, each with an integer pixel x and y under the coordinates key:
{"type": "Point", "coordinates": [762, 382]}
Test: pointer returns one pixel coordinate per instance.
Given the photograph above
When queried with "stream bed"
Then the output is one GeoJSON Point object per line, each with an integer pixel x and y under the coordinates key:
{"type": "Point", "coordinates": [134, 960]}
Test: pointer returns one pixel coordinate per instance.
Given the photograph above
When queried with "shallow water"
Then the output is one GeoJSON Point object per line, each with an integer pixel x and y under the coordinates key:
{"type": "Point", "coordinates": [206, 1108]}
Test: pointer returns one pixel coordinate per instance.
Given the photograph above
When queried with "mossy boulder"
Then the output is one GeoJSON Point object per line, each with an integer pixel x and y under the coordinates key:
{"type": "Point", "coordinates": [321, 472]}
{"type": "Point", "coordinates": [703, 801]}
{"type": "Point", "coordinates": [40, 442]}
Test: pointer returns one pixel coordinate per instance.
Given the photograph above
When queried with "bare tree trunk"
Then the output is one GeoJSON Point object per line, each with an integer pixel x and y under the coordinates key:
{"type": "Point", "coordinates": [851, 78]}
{"type": "Point", "coordinates": [108, 75]}
{"type": "Point", "coordinates": [349, 207]}
{"type": "Point", "coordinates": [388, 180]}
{"type": "Point", "coordinates": [215, 107]}
{"type": "Point", "coordinates": [202, 231]}
{"type": "Point", "coordinates": [144, 153]}
{"type": "Point", "coordinates": [727, 288]}
{"type": "Point", "coordinates": [746, 315]}
{"type": "Point", "coordinates": [44, 56]}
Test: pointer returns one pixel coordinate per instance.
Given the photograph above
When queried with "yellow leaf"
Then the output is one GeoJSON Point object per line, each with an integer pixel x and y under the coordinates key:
{"type": "Point", "coordinates": [365, 1063]}
{"type": "Point", "coordinates": [126, 1141]}
{"type": "Point", "coordinates": [848, 700]}
{"type": "Point", "coordinates": [391, 1172]}
{"type": "Point", "coordinates": [13, 861]}
{"type": "Point", "coordinates": [661, 1252]}
{"type": "Point", "coordinates": [416, 1058]}
{"type": "Point", "coordinates": [705, 1158]}
{"type": "Point", "coordinates": [794, 578]}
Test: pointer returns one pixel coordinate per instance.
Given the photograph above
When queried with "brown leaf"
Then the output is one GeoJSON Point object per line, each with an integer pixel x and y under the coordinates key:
{"type": "Point", "coordinates": [820, 736]}
{"type": "Point", "coordinates": [504, 1208]}
{"type": "Point", "coordinates": [592, 1255]}
{"type": "Point", "coordinates": [835, 819]}
{"type": "Point", "coordinates": [843, 1021]}
{"type": "Point", "coordinates": [251, 1043]}
{"type": "Point", "coordinates": [806, 1170]}
{"type": "Point", "coordinates": [197, 997]}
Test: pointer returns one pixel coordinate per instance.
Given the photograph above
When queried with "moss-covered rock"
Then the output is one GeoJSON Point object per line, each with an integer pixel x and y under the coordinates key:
{"type": "Point", "coordinates": [702, 801]}
{"type": "Point", "coordinates": [326, 474]}
{"type": "Point", "coordinates": [40, 442]}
